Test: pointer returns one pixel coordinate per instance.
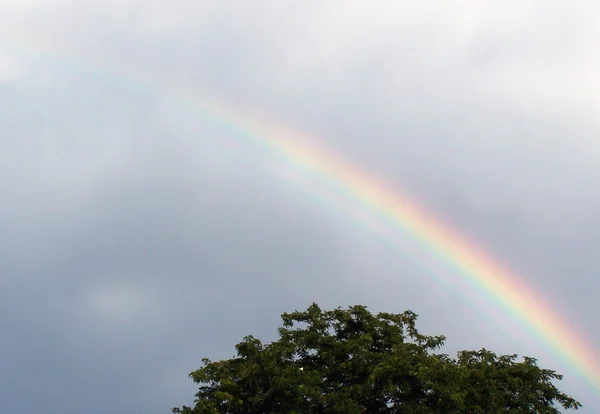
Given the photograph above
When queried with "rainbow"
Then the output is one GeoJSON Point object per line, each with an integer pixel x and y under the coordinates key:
{"type": "Point", "coordinates": [306, 154]}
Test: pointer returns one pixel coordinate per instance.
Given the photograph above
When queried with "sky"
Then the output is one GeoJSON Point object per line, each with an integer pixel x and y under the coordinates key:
{"type": "Point", "coordinates": [138, 236]}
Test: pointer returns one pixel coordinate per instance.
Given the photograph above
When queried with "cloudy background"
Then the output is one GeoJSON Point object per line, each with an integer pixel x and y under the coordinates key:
{"type": "Point", "coordinates": [137, 237]}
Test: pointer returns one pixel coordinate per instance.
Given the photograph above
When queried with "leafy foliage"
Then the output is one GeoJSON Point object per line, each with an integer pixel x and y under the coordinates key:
{"type": "Point", "coordinates": [351, 361]}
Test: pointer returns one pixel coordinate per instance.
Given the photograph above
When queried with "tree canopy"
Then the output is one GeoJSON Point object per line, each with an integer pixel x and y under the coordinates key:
{"type": "Point", "coordinates": [352, 361]}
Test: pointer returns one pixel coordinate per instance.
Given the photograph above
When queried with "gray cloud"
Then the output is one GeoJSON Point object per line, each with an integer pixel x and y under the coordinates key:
{"type": "Point", "coordinates": [134, 243]}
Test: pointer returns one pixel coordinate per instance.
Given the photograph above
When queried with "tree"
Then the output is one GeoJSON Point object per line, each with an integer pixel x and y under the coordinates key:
{"type": "Point", "coordinates": [352, 361]}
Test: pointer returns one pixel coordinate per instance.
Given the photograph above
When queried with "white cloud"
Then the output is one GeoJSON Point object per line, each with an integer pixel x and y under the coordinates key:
{"type": "Point", "coordinates": [120, 304]}
{"type": "Point", "coordinates": [10, 67]}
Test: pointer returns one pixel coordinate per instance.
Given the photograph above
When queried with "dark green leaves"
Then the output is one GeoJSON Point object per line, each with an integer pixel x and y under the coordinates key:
{"type": "Point", "coordinates": [351, 361]}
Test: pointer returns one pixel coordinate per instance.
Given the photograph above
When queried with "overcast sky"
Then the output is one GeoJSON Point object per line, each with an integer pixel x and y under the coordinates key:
{"type": "Point", "coordinates": [137, 238]}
